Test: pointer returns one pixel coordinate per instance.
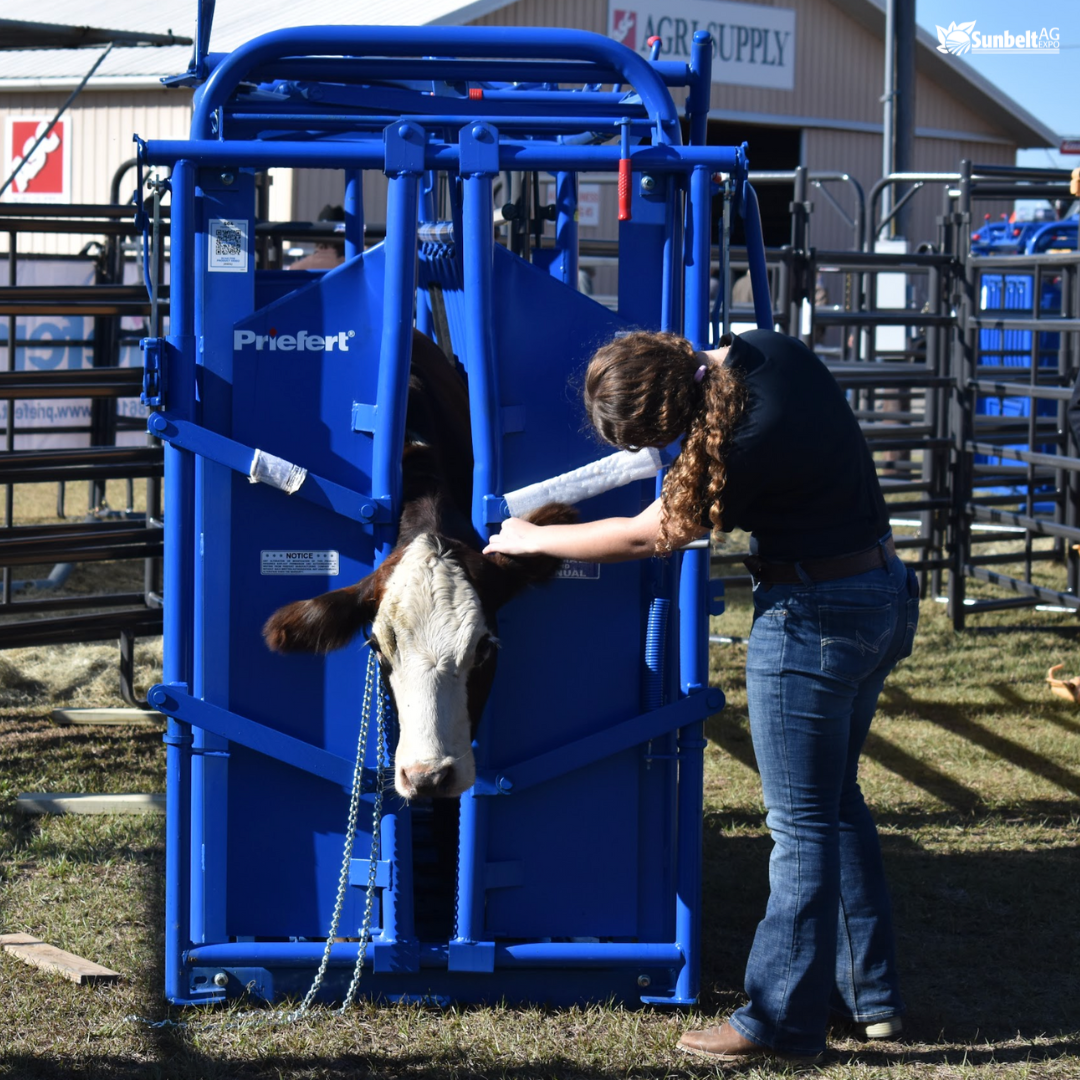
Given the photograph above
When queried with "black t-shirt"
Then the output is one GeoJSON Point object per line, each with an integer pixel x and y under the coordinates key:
{"type": "Point", "coordinates": [800, 477]}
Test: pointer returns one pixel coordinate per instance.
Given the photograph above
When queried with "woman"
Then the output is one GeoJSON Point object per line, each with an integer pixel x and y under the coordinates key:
{"type": "Point", "coordinates": [770, 445]}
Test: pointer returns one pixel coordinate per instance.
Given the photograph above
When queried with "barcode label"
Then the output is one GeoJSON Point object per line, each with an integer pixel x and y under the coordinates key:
{"type": "Point", "coordinates": [228, 245]}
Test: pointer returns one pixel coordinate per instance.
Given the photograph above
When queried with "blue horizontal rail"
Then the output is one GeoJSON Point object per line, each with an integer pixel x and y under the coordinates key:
{"type": "Point", "coordinates": [370, 154]}
{"type": "Point", "coordinates": [176, 702]}
{"type": "Point", "coordinates": [437, 68]}
{"type": "Point", "coordinates": [572, 954]}
{"type": "Point", "coordinates": [236, 456]}
{"type": "Point", "coordinates": [603, 744]}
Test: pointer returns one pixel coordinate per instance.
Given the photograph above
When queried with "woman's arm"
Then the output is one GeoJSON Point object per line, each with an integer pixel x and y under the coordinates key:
{"type": "Point", "coordinates": [606, 540]}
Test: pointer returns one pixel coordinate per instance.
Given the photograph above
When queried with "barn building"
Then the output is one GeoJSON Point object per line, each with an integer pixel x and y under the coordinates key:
{"type": "Point", "coordinates": [800, 81]}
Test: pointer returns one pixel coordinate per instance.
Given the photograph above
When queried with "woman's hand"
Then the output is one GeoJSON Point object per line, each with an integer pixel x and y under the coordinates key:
{"type": "Point", "coordinates": [517, 537]}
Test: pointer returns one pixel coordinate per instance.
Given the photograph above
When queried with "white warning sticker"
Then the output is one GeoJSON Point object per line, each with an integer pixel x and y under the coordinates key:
{"type": "Point", "coordinates": [228, 248]}
{"type": "Point", "coordinates": [303, 563]}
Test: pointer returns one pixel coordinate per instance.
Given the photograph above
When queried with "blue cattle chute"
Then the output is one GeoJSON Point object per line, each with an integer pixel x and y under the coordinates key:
{"type": "Point", "coordinates": [575, 871]}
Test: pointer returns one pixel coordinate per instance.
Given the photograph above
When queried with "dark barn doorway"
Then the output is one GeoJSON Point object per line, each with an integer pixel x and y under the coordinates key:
{"type": "Point", "coordinates": [769, 149]}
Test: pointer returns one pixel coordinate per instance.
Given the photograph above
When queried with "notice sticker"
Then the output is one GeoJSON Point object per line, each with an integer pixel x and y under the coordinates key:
{"type": "Point", "coordinates": [229, 246]}
{"type": "Point", "coordinates": [299, 563]}
{"type": "Point", "coordinates": [572, 570]}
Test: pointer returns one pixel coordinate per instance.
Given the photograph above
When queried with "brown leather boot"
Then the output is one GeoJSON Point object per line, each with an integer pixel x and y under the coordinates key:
{"type": "Point", "coordinates": [725, 1044]}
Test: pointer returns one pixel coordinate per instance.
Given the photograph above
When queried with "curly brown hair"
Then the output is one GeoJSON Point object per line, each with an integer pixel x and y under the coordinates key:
{"type": "Point", "coordinates": [640, 390]}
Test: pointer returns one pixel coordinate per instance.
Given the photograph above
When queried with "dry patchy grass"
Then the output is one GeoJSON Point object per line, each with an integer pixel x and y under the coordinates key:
{"type": "Point", "coordinates": [973, 769]}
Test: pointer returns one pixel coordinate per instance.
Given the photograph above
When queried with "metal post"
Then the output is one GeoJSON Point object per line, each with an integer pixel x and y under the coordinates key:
{"type": "Point", "coordinates": [903, 102]}
{"type": "Point", "coordinates": [888, 155]}
{"type": "Point", "coordinates": [962, 407]}
{"type": "Point", "coordinates": [480, 149]}
{"type": "Point", "coordinates": [178, 571]}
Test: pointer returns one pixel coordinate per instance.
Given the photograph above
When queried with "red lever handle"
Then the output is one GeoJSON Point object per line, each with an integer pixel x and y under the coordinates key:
{"type": "Point", "coordinates": [624, 189]}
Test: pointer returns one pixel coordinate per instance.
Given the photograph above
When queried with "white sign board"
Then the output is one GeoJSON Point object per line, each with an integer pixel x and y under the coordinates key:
{"type": "Point", "coordinates": [41, 154]}
{"type": "Point", "coordinates": [63, 342]}
{"type": "Point", "coordinates": [588, 209]}
{"type": "Point", "coordinates": [753, 45]}
{"type": "Point", "coordinates": [299, 563]}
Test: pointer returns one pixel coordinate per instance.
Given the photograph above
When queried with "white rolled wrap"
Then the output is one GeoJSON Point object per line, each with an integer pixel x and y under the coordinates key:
{"type": "Point", "coordinates": [275, 471]}
{"type": "Point", "coordinates": [609, 472]}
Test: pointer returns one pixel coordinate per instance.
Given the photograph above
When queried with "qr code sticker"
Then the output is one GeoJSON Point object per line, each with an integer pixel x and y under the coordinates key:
{"type": "Point", "coordinates": [227, 241]}
{"type": "Point", "coordinates": [228, 245]}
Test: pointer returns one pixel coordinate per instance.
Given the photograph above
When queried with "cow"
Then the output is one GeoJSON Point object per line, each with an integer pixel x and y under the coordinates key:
{"type": "Point", "coordinates": [432, 602]}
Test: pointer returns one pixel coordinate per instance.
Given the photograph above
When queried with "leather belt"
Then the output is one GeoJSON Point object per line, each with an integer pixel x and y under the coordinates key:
{"type": "Point", "coordinates": [785, 573]}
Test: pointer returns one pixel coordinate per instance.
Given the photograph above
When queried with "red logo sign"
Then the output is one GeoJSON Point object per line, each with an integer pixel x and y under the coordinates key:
{"type": "Point", "coordinates": [40, 154]}
{"type": "Point", "coordinates": [624, 27]}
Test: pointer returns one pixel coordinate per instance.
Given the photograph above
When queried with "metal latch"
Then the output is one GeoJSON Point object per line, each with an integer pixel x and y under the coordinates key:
{"type": "Point", "coordinates": [153, 391]}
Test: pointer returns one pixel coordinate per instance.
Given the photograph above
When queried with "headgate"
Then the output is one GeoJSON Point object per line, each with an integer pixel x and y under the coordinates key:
{"type": "Point", "coordinates": [576, 873]}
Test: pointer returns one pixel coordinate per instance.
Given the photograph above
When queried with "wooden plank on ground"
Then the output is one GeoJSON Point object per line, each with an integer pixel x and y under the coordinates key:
{"type": "Point", "coordinates": [66, 802]}
{"type": "Point", "coordinates": [32, 950]}
{"type": "Point", "coordinates": [112, 717]}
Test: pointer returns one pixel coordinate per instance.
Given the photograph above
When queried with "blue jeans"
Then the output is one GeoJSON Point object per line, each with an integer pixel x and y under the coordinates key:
{"type": "Point", "coordinates": [817, 660]}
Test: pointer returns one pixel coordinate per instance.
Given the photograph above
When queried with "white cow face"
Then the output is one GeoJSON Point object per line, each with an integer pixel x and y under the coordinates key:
{"type": "Point", "coordinates": [431, 634]}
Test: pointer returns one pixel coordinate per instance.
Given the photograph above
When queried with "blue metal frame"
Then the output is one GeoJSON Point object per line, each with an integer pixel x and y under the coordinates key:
{"type": "Point", "coordinates": [226, 740]}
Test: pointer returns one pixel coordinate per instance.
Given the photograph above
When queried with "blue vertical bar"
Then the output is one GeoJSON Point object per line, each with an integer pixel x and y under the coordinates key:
{"type": "Point", "coordinates": [395, 353]}
{"type": "Point", "coordinates": [222, 296]}
{"type": "Point", "coordinates": [404, 149]}
{"type": "Point", "coordinates": [671, 305]}
{"type": "Point", "coordinates": [425, 321]}
{"type": "Point", "coordinates": [565, 267]}
{"type": "Point", "coordinates": [354, 212]}
{"type": "Point", "coordinates": [755, 255]}
{"type": "Point", "coordinates": [479, 164]}
{"type": "Point", "coordinates": [698, 242]}
{"type": "Point", "coordinates": [397, 949]}
{"type": "Point", "coordinates": [694, 673]}
{"type": "Point", "coordinates": [178, 577]}
{"type": "Point", "coordinates": [693, 636]}
{"type": "Point", "coordinates": [697, 104]}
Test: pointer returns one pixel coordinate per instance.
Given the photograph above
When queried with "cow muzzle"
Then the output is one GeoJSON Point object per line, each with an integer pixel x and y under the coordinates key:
{"type": "Point", "coordinates": [443, 779]}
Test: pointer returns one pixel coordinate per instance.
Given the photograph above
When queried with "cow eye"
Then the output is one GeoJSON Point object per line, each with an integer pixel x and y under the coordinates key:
{"type": "Point", "coordinates": [376, 648]}
{"type": "Point", "coordinates": [484, 648]}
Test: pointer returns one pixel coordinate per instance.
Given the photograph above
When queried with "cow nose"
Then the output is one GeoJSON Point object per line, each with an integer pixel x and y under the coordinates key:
{"type": "Point", "coordinates": [426, 780]}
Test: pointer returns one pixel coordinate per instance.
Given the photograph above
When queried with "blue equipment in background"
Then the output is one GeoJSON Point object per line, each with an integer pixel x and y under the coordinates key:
{"type": "Point", "coordinates": [577, 868]}
{"type": "Point", "coordinates": [1013, 292]}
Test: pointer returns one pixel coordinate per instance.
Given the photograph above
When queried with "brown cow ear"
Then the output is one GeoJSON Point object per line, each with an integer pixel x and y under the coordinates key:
{"type": "Point", "coordinates": [330, 621]}
{"type": "Point", "coordinates": [518, 572]}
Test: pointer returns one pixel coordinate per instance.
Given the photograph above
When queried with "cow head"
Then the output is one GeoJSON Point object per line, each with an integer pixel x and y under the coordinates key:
{"type": "Point", "coordinates": [431, 606]}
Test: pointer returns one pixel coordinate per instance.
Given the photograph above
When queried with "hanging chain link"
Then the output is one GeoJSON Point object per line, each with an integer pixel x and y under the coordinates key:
{"type": "Point", "coordinates": [373, 686]}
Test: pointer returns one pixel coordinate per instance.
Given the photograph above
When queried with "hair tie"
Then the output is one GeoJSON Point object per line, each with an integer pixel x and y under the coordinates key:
{"type": "Point", "coordinates": [700, 373]}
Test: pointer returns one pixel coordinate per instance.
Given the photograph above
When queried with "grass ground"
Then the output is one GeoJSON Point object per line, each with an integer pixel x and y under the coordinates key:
{"type": "Point", "coordinates": [972, 769]}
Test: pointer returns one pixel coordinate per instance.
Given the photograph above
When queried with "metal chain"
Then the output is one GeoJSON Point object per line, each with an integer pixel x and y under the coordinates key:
{"type": "Point", "coordinates": [382, 710]}
{"type": "Point", "coordinates": [372, 681]}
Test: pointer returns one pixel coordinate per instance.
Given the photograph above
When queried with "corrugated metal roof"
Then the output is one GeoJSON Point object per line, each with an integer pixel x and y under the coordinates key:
{"type": "Point", "coordinates": [235, 21]}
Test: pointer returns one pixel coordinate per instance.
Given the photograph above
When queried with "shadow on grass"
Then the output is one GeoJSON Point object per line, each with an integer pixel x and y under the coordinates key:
{"type": "Point", "coordinates": [959, 721]}
{"type": "Point", "coordinates": [987, 943]}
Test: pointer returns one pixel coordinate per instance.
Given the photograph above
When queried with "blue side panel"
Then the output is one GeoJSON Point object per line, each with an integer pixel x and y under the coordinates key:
{"type": "Point", "coordinates": [585, 634]}
{"type": "Point", "coordinates": [286, 826]}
